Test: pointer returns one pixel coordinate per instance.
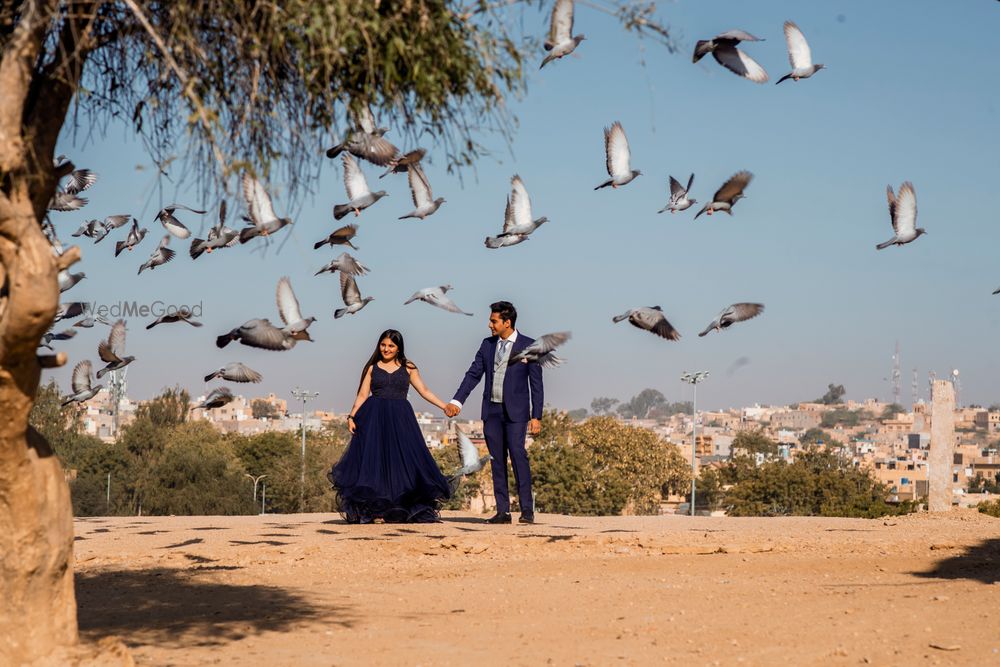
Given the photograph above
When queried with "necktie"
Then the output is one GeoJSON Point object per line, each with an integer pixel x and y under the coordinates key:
{"type": "Point", "coordinates": [501, 351]}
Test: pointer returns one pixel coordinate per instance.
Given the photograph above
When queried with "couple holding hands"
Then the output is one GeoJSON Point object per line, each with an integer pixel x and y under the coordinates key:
{"type": "Point", "coordinates": [387, 472]}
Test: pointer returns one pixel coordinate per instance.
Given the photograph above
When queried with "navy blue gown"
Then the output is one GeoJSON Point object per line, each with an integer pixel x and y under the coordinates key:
{"type": "Point", "coordinates": [387, 472]}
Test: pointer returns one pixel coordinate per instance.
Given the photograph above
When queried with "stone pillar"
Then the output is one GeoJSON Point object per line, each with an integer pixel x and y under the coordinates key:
{"type": "Point", "coordinates": [942, 450]}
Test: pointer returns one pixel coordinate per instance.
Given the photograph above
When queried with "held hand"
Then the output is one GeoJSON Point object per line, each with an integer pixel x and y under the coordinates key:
{"type": "Point", "coordinates": [451, 410]}
{"type": "Point", "coordinates": [535, 426]}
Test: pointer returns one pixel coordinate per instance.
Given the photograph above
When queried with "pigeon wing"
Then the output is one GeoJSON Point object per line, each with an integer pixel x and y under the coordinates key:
{"type": "Point", "coordinates": [242, 373]}
{"type": "Point", "coordinates": [81, 376]}
{"type": "Point", "coordinates": [349, 289]}
{"type": "Point", "coordinates": [509, 225]}
{"type": "Point", "coordinates": [616, 147]}
{"type": "Point", "coordinates": [561, 29]}
{"type": "Point", "coordinates": [354, 179]}
{"type": "Point", "coordinates": [739, 63]}
{"type": "Point", "coordinates": [906, 210]}
{"type": "Point", "coordinates": [262, 334]}
{"type": "Point", "coordinates": [420, 188]}
{"type": "Point", "coordinates": [676, 189]}
{"type": "Point", "coordinates": [441, 300]}
{"type": "Point", "coordinates": [739, 312]}
{"type": "Point", "coordinates": [470, 455]}
{"type": "Point", "coordinates": [799, 54]}
{"type": "Point", "coordinates": [258, 201]}
{"type": "Point", "coordinates": [738, 35]}
{"type": "Point", "coordinates": [733, 187]}
{"type": "Point", "coordinates": [288, 305]}
{"type": "Point", "coordinates": [520, 204]}
{"type": "Point", "coordinates": [891, 198]}
{"type": "Point", "coordinates": [365, 120]}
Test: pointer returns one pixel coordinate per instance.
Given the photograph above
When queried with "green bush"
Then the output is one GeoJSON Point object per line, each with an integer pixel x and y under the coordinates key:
{"type": "Point", "coordinates": [990, 507]}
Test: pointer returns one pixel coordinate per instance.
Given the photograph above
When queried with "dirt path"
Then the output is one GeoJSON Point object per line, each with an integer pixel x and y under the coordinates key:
{"type": "Point", "coordinates": [312, 590]}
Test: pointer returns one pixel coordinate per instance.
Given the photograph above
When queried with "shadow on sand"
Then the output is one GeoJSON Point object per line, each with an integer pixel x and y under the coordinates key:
{"type": "Point", "coordinates": [170, 607]}
{"type": "Point", "coordinates": [980, 563]}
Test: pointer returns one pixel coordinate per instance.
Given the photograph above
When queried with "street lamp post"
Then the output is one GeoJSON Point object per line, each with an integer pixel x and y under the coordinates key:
{"type": "Point", "coordinates": [694, 379]}
{"type": "Point", "coordinates": [255, 481]}
{"type": "Point", "coordinates": [303, 396]}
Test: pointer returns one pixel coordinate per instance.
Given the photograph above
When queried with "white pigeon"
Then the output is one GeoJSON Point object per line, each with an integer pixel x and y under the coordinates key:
{"type": "Point", "coordinates": [420, 189]}
{"type": "Point", "coordinates": [542, 350]}
{"type": "Point", "coordinates": [112, 350]}
{"type": "Point", "coordinates": [81, 383]}
{"type": "Point", "coordinates": [68, 280]}
{"type": "Point", "coordinates": [289, 311]}
{"type": "Point", "coordinates": [264, 221]}
{"type": "Point", "coordinates": [738, 312]}
{"type": "Point", "coordinates": [161, 255]}
{"type": "Point", "coordinates": [726, 197]}
{"type": "Point", "coordinates": [358, 192]}
{"type": "Point", "coordinates": [171, 223]}
{"type": "Point", "coordinates": [471, 461]}
{"type": "Point", "coordinates": [903, 212]}
{"type": "Point", "coordinates": [344, 263]}
{"type": "Point", "coordinates": [517, 221]}
{"type": "Point", "coordinates": [723, 49]}
{"type": "Point", "coordinates": [235, 372]}
{"type": "Point", "coordinates": [679, 200]}
{"type": "Point", "coordinates": [436, 297]}
{"type": "Point", "coordinates": [561, 41]}
{"type": "Point", "coordinates": [351, 295]}
{"type": "Point", "coordinates": [799, 54]}
{"type": "Point", "coordinates": [651, 319]}
{"type": "Point", "coordinates": [617, 156]}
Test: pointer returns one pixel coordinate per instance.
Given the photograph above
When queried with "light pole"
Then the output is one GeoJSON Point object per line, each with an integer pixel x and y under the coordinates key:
{"type": "Point", "coordinates": [255, 481]}
{"type": "Point", "coordinates": [303, 396]}
{"type": "Point", "coordinates": [694, 379]}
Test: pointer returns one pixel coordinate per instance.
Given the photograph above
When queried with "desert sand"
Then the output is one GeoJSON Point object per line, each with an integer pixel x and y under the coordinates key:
{"type": "Point", "coordinates": [310, 589]}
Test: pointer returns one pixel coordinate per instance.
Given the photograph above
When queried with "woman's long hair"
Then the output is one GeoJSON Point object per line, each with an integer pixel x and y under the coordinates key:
{"type": "Point", "coordinates": [396, 338]}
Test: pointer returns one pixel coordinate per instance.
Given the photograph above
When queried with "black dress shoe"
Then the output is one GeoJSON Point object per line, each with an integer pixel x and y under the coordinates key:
{"type": "Point", "coordinates": [527, 517]}
{"type": "Point", "coordinates": [499, 518]}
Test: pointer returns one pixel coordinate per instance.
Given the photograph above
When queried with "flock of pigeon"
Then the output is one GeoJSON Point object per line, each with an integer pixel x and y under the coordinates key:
{"type": "Point", "coordinates": [366, 142]}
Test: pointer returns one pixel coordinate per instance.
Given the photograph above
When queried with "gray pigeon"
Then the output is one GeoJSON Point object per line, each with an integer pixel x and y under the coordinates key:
{"type": "Point", "coordinates": [351, 295]}
{"type": "Point", "coordinates": [518, 223]}
{"type": "Point", "coordinates": [420, 190]}
{"type": "Point", "coordinates": [68, 280]}
{"type": "Point", "coordinates": [79, 179]}
{"type": "Point", "coordinates": [89, 228]}
{"type": "Point", "coordinates": [110, 223]}
{"type": "Point", "coordinates": [235, 372]}
{"type": "Point", "coordinates": [112, 350]}
{"type": "Point", "coordinates": [70, 309]}
{"type": "Point", "coordinates": [89, 321]}
{"type": "Point", "coordinates": [903, 212]}
{"type": "Point", "coordinates": [723, 49]}
{"type": "Point", "coordinates": [67, 198]}
{"type": "Point", "coordinates": [264, 221]}
{"type": "Point", "coordinates": [799, 54]}
{"type": "Point", "coordinates": [542, 350]}
{"type": "Point", "coordinates": [81, 384]}
{"type": "Point", "coordinates": [366, 141]}
{"type": "Point", "coordinates": [617, 157]}
{"type": "Point", "coordinates": [651, 319]}
{"type": "Point", "coordinates": [50, 336]}
{"type": "Point", "coordinates": [404, 162]}
{"type": "Point", "coordinates": [996, 291]}
{"type": "Point", "coordinates": [726, 197]}
{"type": "Point", "coordinates": [66, 201]}
{"type": "Point", "coordinates": [359, 195]}
{"type": "Point", "coordinates": [160, 256]}
{"type": "Point", "coordinates": [216, 399]}
{"type": "Point", "coordinates": [259, 333]}
{"type": "Point", "coordinates": [182, 315]}
{"type": "Point", "coordinates": [436, 296]}
{"type": "Point", "coordinates": [679, 200]}
{"type": "Point", "coordinates": [171, 223]}
{"type": "Point", "coordinates": [561, 41]}
{"type": "Point", "coordinates": [341, 236]}
{"type": "Point", "coordinates": [290, 313]}
{"type": "Point", "coordinates": [219, 236]}
{"type": "Point", "coordinates": [471, 461]}
{"type": "Point", "coordinates": [344, 263]}
{"type": "Point", "coordinates": [132, 239]}
{"type": "Point", "coordinates": [738, 312]}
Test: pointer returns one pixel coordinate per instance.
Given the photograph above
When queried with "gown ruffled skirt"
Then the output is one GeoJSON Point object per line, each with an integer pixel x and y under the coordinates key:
{"type": "Point", "coordinates": [387, 472]}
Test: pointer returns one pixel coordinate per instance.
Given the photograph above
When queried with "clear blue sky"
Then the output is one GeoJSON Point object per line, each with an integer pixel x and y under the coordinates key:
{"type": "Point", "coordinates": [910, 94]}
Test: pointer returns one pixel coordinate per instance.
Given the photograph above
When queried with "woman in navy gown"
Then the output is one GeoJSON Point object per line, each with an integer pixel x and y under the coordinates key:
{"type": "Point", "coordinates": [387, 472]}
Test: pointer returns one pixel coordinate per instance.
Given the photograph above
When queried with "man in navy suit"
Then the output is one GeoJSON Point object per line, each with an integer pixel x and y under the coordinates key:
{"type": "Point", "coordinates": [512, 406]}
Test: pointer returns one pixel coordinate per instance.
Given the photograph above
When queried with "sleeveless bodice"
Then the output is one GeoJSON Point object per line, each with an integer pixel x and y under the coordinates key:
{"type": "Point", "coordinates": [393, 385]}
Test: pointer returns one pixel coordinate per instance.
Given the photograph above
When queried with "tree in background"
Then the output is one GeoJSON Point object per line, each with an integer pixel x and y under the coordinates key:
{"type": "Point", "coordinates": [641, 404]}
{"type": "Point", "coordinates": [603, 405]}
{"type": "Point", "coordinates": [261, 409]}
{"type": "Point", "coordinates": [892, 410]}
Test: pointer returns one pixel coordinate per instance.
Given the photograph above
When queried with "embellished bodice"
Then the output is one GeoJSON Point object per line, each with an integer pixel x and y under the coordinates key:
{"type": "Point", "coordinates": [394, 385]}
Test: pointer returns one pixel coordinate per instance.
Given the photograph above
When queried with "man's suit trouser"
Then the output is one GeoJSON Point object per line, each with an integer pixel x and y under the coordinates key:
{"type": "Point", "coordinates": [502, 437]}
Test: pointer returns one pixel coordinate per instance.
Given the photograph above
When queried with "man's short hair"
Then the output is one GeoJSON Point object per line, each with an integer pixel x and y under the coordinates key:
{"type": "Point", "coordinates": [506, 311]}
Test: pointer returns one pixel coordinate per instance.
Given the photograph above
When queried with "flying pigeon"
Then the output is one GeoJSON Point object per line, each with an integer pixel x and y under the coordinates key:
{"type": "Point", "coordinates": [903, 211]}
{"type": "Point", "coordinates": [561, 41]}
{"type": "Point", "coordinates": [181, 315]}
{"type": "Point", "coordinates": [799, 54]}
{"type": "Point", "coordinates": [352, 296]}
{"type": "Point", "coordinates": [67, 199]}
{"type": "Point", "coordinates": [110, 223]}
{"type": "Point", "coordinates": [436, 296]}
{"type": "Point", "coordinates": [357, 190]}
{"type": "Point", "coordinates": [366, 141]}
{"type": "Point", "coordinates": [723, 49]}
{"type": "Point", "coordinates": [996, 291]}
{"type": "Point", "coordinates": [68, 280]}
{"type": "Point", "coordinates": [517, 221]}
{"type": "Point", "coordinates": [161, 255]}
{"type": "Point", "coordinates": [542, 351]}
{"type": "Point", "coordinates": [70, 309]}
{"type": "Point", "coordinates": [264, 221]}
{"type": "Point", "coordinates": [651, 319]}
{"type": "Point", "coordinates": [618, 156]}
{"type": "Point", "coordinates": [89, 321]}
{"type": "Point", "coordinates": [132, 239]}
{"type": "Point", "coordinates": [288, 310]}
{"type": "Point", "coordinates": [341, 236]}
{"type": "Point", "coordinates": [216, 399]}
{"type": "Point", "coordinates": [262, 334]}
{"type": "Point", "coordinates": [235, 372]}
{"type": "Point", "coordinates": [404, 162]}
{"type": "Point", "coordinates": [171, 223]}
{"type": "Point", "coordinates": [679, 200]}
{"type": "Point", "coordinates": [81, 384]}
{"type": "Point", "coordinates": [420, 190]}
{"type": "Point", "coordinates": [219, 236]}
{"type": "Point", "coordinates": [50, 336]}
{"type": "Point", "coordinates": [471, 461]}
{"type": "Point", "coordinates": [738, 312]}
{"type": "Point", "coordinates": [112, 350]}
{"type": "Point", "coordinates": [89, 228]}
{"type": "Point", "coordinates": [726, 197]}
{"type": "Point", "coordinates": [344, 263]}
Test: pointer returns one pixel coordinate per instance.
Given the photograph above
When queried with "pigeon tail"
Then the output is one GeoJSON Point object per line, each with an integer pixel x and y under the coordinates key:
{"type": "Point", "coordinates": [335, 151]}
{"type": "Point", "coordinates": [605, 184]}
{"type": "Point", "coordinates": [196, 250]}
{"type": "Point", "coordinates": [224, 340]}
{"type": "Point", "coordinates": [618, 318]}
{"type": "Point", "coordinates": [340, 210]}
{"type": "Point", "coordinates": [702, 48]}
{"type": "Point", "coordinates": [707, 331]}
{"type": "Point", "coordinates": [340, 312]}
{"type": "Point", "coordinates": [211, 376]}
{"type": "Point", "coordinates": [784, 78]}
{"type": "Point", "coordinates": [886, 244]}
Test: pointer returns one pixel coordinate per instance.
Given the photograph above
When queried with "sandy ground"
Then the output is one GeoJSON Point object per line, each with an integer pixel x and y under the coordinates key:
{"type": "Point", "coordinates": [311, 590]}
